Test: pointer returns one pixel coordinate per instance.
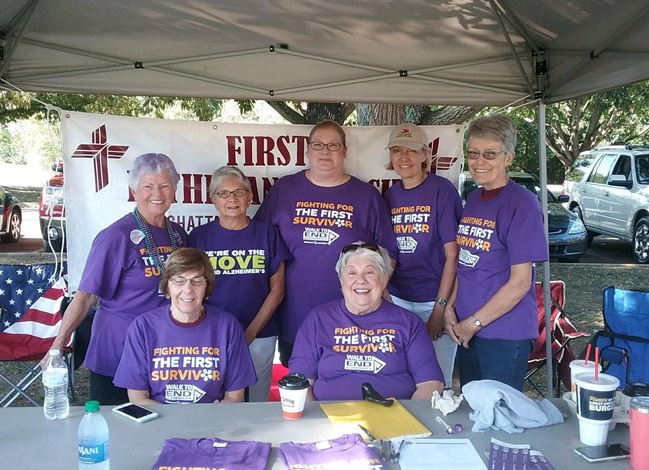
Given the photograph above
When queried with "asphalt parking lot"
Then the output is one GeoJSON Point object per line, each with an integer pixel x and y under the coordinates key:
{"type": "Point", "coordinates": [608, 250]}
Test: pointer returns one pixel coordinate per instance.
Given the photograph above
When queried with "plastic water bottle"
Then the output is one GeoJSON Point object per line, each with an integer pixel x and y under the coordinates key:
{"type": "Point", "coordinates": [55, 384]}
{"type": "Point", "coordinates": [93, 440]}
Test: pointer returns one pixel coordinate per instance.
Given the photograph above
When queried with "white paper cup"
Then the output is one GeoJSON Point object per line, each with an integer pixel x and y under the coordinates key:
{"type": "Point", "coordinates": [293, 390]}
{"type": "Point", "coordinates": [592, 432]}
{"type": "Point", "coordinates": [595, 406]}
{"type": "Point", "coordinates": [577, 367]}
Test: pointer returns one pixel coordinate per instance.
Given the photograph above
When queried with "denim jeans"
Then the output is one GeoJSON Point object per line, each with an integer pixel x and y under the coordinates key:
{"type": "Point", "coordinates": [495, 359]}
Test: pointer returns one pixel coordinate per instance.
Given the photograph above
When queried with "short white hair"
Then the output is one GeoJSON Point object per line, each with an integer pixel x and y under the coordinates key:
{"type": "Point", "coordinates": [380, 258]}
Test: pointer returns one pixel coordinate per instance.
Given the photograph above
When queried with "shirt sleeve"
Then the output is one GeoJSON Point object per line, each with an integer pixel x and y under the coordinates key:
{"type": "Point", "coordinates": [449, 209]}
{"type": "Point", "coordinates": [278, 250]}
{"type": "Point", "coordinates": [526, 241]}
{"type": "Point", "coordinates": [133, 369]}
{"type": "Point", "coordinates": [240, 371]}
{"type": "Point", "coordinates": [107, 259]}
{"type": "Point", "coordinates": [420, 354]}
{"type": "Point", "coordinates": [383, 231]}
{"type": "Point", "coordinates": [306, 354]}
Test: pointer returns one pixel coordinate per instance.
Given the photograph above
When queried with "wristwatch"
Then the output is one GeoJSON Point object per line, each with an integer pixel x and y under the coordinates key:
{"type": "Point", "coordinates": [477, 322]}
{"type": "Point", "coordinates": [442, 302]}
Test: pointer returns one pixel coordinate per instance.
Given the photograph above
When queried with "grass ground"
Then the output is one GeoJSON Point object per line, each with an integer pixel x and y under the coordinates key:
{"type": "Point", "coordinates": [584, 284]}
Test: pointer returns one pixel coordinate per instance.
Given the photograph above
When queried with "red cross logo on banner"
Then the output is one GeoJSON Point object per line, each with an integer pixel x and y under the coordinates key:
{"type": "Point", "coordinates": [100, 152]}
{"type": "Point", "coordinates": [438, 162]}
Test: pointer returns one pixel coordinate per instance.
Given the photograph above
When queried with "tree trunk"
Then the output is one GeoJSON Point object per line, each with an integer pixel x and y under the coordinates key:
{"type": "Point", "coordinates": [380, 114]}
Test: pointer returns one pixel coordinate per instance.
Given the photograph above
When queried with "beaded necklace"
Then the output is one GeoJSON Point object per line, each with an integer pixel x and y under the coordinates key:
{"type": "Point", "coordinates": [151, 247]}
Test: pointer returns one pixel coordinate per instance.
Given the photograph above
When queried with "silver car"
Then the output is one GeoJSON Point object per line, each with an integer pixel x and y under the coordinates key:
{"type": "Point", "coordinates": [612, 197]}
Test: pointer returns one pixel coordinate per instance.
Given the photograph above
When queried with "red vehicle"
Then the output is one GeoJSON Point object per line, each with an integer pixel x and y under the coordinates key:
{"type": "Point", "coordinates": [51, 211]}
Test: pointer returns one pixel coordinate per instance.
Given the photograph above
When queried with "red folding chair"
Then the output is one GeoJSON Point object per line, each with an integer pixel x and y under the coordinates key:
{"type": "Point", "coordinates": [563, 331]}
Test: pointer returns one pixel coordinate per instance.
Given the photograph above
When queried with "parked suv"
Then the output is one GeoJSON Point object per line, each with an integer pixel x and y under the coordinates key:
{"type": "Point", "coordinates": [612, 197]}
{"type": "Point", "coordinates": [566, 233]}
{"type": "Point", "coordinates": [51, 210]}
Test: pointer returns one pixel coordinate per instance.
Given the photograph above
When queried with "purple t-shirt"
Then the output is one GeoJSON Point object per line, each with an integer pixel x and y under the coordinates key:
{"type": "Point", "coordinates": [214, 453]}
{"type": "Point", "coordinates": [119, 272]}
{"type": "Point", "coordinates": [388, 348]}
{"type": "Point", "coordinates": [424, 218]}
{"type": "Point", "coordinates": [346, 451]}
{"type": "Point", "coordinates": [492, 236]}
{"type": "Point", "coordinates": [244, 261]}
{"type": "Point", "coordinates": [316, 223]}
{"type": "Point", "coordinates": [194, 363]}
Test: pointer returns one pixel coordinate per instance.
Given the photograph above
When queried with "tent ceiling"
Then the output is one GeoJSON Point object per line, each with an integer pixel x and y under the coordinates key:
{"type": "Point", "coordinates": [454, 51]}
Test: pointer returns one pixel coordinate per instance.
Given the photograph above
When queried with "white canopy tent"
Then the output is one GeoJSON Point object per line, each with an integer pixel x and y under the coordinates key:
{"type": "Point", "coordinates": [461, 52]}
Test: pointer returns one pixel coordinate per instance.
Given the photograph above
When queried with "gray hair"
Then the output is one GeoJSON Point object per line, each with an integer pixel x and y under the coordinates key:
{"type": "Point", "coordinates": [497, 127]}
{"type": "Point", "coordinates": [151, 164]}
{"type": "Point", "coordinates": [224, 172]}
{"type": "Point", "coordinates": [382, 259]}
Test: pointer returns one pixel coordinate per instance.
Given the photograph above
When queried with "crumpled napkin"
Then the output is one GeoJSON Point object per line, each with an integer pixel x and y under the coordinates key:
{"type": "Point", "coordinates": [446, 403]}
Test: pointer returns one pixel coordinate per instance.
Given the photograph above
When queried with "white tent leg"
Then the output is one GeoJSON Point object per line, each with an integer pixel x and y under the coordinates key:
{"type": "Point", "coordinates": [543, 176]}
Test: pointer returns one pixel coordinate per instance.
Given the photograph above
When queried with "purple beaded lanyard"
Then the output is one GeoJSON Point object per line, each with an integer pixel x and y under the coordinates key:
{"type": "Point", "coordinates": [151, 247]}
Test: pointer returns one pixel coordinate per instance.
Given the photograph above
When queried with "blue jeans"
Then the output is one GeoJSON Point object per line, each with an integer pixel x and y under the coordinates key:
{"type": "Point", "coordinates": [495, 359]}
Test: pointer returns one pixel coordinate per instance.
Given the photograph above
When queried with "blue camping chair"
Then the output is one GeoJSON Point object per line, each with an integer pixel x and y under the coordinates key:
{"type": "Point", "coordinates": [624, 342]}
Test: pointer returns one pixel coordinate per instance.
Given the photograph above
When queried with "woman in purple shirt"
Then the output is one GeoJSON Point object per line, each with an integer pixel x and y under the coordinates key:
{"type": "Point", "coordinates": [122, 272]}
{"type": "Point", "coordinates": [186, 352]}
{"type": "Point", "coordinates": [318, 211]}
{"type": "Point", "coordinates": [492, 312]}
{"type": "Point", "coordinates": [363, 338]}
{"type": "Point", "coordinates": [425, 209]}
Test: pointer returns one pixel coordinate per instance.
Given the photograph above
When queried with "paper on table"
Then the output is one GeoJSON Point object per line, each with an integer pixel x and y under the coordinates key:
{"type": "Point", "coordinates": [440, 454]}
{"type": "Point", "coordinates": [384, 422]}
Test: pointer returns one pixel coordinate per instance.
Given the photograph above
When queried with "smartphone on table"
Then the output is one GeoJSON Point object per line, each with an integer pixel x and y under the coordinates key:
{"type": "Point", "coordinates": [134, 412]}
{"type": "Point", "coordinates": [603, 453]}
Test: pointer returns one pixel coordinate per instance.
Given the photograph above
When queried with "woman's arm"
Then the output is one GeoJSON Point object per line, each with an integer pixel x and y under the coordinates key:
{"type": "Point", "coordinates": [309, 393]}
{"type": "Point", "coordinates": [141, 397]}
{"type": "Point", "coordinates": [234, 396]}
{"type": "Point", "coordinates": [435, 325]}
{"type": "Point", "coordinates": [267, 309]}
{"type": "Point", "coordinates": [74, 315]}
{"type": "Point", "coordinates": [424, 390]}
{"type": "Point", "coordinates": [450, 317]}
{"type": "Point", "coordinates": [518, 284]}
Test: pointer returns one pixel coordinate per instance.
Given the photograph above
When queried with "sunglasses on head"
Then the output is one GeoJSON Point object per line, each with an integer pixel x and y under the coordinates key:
{"type": "Point", "coordinates": [357, 246]}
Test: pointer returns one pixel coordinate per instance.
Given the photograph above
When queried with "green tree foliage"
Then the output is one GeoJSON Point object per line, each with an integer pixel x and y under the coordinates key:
{"type": "Point", "coordinates": [15, 106]}
{"type": "Point", "coordinates": [527, 147]}
{"type": "Point", "coordinates": [8, 151]}
{"type": "Point", "coordinates": [616, 116]}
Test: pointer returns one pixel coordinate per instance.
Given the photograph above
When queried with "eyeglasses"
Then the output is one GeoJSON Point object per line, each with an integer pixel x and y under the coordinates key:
{"type": "Point", "coordinates": [358, 246]}
{"type": "Point", "coordinates": [225, 194]}
{"type": "Point", "coordinates": [180, 281]}
{"type": "Point", "coordinates": [331, 146]}
{"type": "Point", "coordinates": [488, 155]}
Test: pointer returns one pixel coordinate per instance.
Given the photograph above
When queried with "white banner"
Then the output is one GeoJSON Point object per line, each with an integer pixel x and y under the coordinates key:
{"type": "Point", "coordinates": [99, 150]}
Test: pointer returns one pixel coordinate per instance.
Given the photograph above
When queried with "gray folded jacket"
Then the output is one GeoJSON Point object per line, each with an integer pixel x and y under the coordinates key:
{"type": "Point", "coordinates": [498, 406]}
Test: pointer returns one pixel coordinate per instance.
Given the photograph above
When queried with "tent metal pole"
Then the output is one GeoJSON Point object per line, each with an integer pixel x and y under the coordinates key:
{"type": "Point", "coordinates": [24, 15]}
{"type": "Point", "coordinates": [543, 176]}
{"type": "Point", "coordinates": [508, 38]}
{"type": "Point", "coordinates": [477, 86]}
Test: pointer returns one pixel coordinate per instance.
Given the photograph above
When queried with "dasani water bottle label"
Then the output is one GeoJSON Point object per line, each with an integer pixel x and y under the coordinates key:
{"type": "Point", "coordinates": [93, 454]}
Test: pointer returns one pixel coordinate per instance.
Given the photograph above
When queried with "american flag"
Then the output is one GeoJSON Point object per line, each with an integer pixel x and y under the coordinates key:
{"type": "Point", "coordinates": [30, 302]}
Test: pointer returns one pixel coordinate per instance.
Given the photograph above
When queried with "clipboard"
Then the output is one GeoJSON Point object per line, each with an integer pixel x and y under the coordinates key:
{"type": "Point", "coordinates": [384, 422]}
